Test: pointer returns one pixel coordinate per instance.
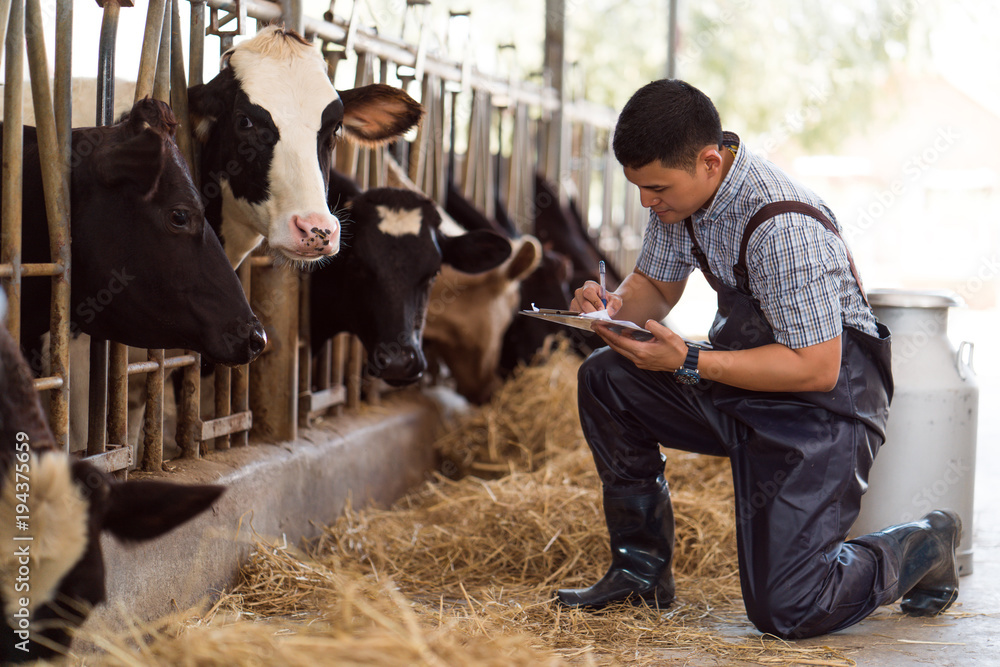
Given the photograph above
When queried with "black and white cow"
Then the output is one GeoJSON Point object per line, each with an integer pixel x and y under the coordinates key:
{"type": "Point", "coordinates": [268, 123]}
{"type": "Point", "coordinates": [52, 512]}
{"type": "Point", "coordinates": [146, 269]}
{"type": "Point", "coordinates": [378, 286]}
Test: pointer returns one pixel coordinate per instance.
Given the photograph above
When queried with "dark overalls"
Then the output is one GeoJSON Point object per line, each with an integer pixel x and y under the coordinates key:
{"type": "Point", "coordinates": [800, 461]}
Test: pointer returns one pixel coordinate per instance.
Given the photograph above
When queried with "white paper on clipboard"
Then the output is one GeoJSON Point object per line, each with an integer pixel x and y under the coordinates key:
{"type": "Point", "coordinates": [577, 320]}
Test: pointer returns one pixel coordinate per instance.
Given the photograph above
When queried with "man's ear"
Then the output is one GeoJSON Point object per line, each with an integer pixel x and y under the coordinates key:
{"type": "Point", "coordinates": [711, 158]}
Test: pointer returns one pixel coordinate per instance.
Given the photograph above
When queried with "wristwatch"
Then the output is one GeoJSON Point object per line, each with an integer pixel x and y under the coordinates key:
{"type": "Point", "coordinates": [688, 373]}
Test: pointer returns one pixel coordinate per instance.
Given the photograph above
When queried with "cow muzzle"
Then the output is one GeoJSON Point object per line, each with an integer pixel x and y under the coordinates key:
{"type": "Point", "coordinates": [397, 365]}
{"type": "Point", "coordinates": [313, 235]}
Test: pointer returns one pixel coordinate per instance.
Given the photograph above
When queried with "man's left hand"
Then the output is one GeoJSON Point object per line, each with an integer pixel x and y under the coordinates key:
{"type": "Point", "coordinates": [666, 352]}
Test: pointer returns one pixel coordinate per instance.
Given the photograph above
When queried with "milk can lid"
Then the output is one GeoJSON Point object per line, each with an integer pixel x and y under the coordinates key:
{"type": "Point", "coordinates": [902, 298]}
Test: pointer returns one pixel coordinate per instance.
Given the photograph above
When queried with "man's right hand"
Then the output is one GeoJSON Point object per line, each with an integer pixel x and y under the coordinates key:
{"type": "Point", "coordinates": [587, 299]}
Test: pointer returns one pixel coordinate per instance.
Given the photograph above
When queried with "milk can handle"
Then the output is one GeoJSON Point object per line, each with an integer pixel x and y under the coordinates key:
{"type": "Point", "coordinates": [961, 365]}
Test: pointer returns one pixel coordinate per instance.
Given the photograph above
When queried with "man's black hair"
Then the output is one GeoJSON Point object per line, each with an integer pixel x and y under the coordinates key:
{"type": "Point", "coordinates": [669, 121]}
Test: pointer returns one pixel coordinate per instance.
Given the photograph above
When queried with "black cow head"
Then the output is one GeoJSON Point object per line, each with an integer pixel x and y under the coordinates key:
{"type": "Point", "coordinates": [146, 269]}
{"type": "Point", "coordinates": [378, 286]}
{"type": "Point", "coordinates": [54, 510]}
{"type": "Point", "coordinates": [268, 122]}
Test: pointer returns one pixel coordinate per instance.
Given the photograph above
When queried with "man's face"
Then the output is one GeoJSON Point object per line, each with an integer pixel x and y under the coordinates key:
{"type": "Point", "coordinates": [673, 194]}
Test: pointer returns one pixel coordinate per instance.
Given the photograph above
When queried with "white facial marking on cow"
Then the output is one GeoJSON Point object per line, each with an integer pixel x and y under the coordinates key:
{"type": "Point", "coordinates": [290, 80]}
{"type": "Point", "coordinates": [58, 524]}
{"type": "Point", "coordinates": [399, 222]}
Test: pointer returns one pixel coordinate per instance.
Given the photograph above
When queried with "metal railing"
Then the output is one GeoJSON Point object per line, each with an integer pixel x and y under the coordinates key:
{"type": "Point", "coordinates": [506, 125]}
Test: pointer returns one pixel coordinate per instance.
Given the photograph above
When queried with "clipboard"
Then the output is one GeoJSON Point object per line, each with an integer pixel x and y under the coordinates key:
{"type": "Point", "coordinates": [577, 320]}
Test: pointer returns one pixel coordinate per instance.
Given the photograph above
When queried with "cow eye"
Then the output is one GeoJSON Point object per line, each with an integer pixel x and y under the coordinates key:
{"type": "Point", "coordinates": [337, 129]}
{"type": "Point", "coordinates": [179, 218]}
{"type": "Point", "coordinates": [244, 122]}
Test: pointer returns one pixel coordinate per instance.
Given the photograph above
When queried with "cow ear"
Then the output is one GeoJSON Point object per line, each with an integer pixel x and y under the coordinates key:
{"type": "Point", "coordinates": [137, 160]}
{"type": "Point", "coordinates": [378, 113]}
{"type": "Point", "coordinates": [205, 107]}
{"type": "Point", "coordinates": [474, 252]}
{"type": "Point", "coordinates": [141, 510]}
{"type": "Point", "coordinates": [526, 258]}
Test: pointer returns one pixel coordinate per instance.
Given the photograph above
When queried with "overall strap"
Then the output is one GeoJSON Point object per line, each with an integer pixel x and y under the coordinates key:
{"type": "Point", "coordinates": [700, 257]}
{"type": "Point", "coordinates": [771, 210]}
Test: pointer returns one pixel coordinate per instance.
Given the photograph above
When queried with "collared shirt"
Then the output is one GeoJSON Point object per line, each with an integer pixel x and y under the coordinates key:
{"type": "Point", "coordinates": [799, 271]}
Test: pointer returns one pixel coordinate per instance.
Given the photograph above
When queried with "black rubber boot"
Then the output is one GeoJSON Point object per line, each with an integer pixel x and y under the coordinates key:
{"type": "Point", "coordinates": [928, 570]}
{"type": "Point", "coordinates": [641, 528]}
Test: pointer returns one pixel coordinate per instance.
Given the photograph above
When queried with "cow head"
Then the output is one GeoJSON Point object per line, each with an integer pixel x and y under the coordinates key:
{"type": "Point", "coordinates": [147, 269]}
{"type": "Point", "coordinates": [378, 287]}
{"type": "Point", "coordinates": [268, 122]}
{"type": "Point", "coordinates": [468, 314]}
{"type": "Point", "coordinates": [51, 566]}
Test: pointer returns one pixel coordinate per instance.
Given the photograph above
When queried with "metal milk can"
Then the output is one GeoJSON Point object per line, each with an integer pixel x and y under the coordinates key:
{"type": "Point", "coordinates": [928, 460]}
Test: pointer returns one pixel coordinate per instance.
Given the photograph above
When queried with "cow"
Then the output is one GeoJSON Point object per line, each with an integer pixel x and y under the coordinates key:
{"type": "Point", "coordinates": [468, 315]}
{"type": "Point", "coordinates": [146, 269]}
{"type": "Point", "coordinates": [267, 124]}
{"type": "Point", "coordinates": [378, 286]}
{"type": "Point", "coordinates": [560, 228]}
{"type": "Point", "coordinates": [53, 511]}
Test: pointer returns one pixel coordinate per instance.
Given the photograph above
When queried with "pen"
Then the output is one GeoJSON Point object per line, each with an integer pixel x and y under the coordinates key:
{"type": "Point", "coordinates": [604, 289]}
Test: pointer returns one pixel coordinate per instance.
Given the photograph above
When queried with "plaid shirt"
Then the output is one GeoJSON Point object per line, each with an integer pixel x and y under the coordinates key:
{"type": "Point", "coordinates": [799, 271]}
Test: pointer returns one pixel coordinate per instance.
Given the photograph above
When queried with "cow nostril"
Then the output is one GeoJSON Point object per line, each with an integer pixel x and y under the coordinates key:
{"type": "Point", "coordinates": [257, 339]}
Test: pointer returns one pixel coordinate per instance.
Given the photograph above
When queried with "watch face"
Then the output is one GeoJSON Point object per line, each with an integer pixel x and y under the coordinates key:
{"type": "Point", "coordinates": [687, 376]}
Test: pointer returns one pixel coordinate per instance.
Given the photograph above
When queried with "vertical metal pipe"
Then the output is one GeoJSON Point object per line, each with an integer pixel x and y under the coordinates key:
{"type": "Point", "coordinates": [55, 183]}
{"type": "Point", "coordinates": [4, 15]}
{"type": "Point", "coordinates": [97, 423]}
{"type": "Point", "coordinates": [64, 76]}
{"type": "Point", "coordinates": [118, 394]}
{"type": "Point", "coordinates": [150, 48]}
{"type": "Point", "coordinates": [291, 14]}
{"type": "Point", "coordinates": [241, 374]}
{"type": "Point", "coordinates": [197, 48]}
{"type": "Point", "coordinates": [152, 451]}
{"type": "Point", "coordinates": [223, 401]}
{"type": "Point", "coordinates": [671, 39]}
{"type": "Point", "coordinates": [188, 421]}
{"type": "Point", "coordinates": [274, 376]}
{"type": "Point", "coordinates": [178, 90]}
{"type": "Point", "coordinates": [161, 80]}
{"type": "Point", "coordinates": [106, 65]}
{"type": "Point", "coordinates": [13, 176]}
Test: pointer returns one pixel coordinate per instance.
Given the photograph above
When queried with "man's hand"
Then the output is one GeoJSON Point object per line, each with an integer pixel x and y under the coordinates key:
{"type": "Point", "coordinates": [666, 352]}
{"type": "Point", "coordinates": [587, 299]}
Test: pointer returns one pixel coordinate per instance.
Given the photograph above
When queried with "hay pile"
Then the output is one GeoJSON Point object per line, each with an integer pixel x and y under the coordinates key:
{"type": "Point", "coordinates": [464, 571]}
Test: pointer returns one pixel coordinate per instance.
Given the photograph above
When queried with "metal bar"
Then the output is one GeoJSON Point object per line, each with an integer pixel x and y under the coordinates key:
{"type": "Point", "coordinates": [241, 374]}
{"type": "Point", "coordinates": [161, 78]}
{"type": "Point", "coordinates": [401, 53]}
{"type": "Point", "coordinates": [117, 393]}
{"type": "Point", "coordinates": [46, 383]}
{"type": "Point", "coordinates": [32, 270]}
{"type": "Point", "coordinates": [152, 451]}
{"type": "Point", "coordinates": [354, 364]}
{"type": "Point", "coordinates": [150, 49]}
{"type": "Point", "coordinates": [291, 14]}
{"type": "Point", "coordinates": [319, 401]}
{"type": "Point", "coordinates": [4, 15]}
{"type": "Point", "coordinates": [274, 376]}
{"type": "Point", "coordinates": [117, 457]}
{"type": "Point", "coordinates": [196, 47]}
{"type": "Point", "coordinates": [223, 426]}
{"type": "Point", "coordinates": [106, 65]}
{"type": "Point", "coordinates": [55, 184]}
{"type": "Point", "coordinates": [13, 175]}
{"type": "Point", "coordinates": [97, 421]}
{"type": "Point", "coordinates": [223, 402]}
{"type": "Point", "coordinates": [178, 91]}
{"type": "Point", "coordinates": [188, 421]}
